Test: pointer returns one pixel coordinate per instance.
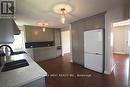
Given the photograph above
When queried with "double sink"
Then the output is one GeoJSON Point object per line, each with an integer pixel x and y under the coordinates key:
{"type": "Point", "coordinates": [14, 64]}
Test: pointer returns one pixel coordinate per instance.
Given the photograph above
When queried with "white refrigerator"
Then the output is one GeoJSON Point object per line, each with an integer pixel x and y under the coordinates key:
{"type": "Point", "coordinates": [93, 50]}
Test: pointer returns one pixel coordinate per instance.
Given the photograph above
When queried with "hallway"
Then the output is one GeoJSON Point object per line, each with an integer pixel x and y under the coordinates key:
{"type": "Point", "coordinates": [59, 68]}
{"type": "Point", "coordinates": [121, 70]}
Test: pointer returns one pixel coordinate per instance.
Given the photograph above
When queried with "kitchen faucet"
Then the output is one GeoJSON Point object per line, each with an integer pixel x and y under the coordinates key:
{"type": "Point", "coordinates": [11, 50]}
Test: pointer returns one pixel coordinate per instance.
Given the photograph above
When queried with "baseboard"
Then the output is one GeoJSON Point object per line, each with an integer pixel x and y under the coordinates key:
{"type": "Point", "coordinates": [107, 72]}
{"type": "Point", "coordinates": [119, 53]}
{"type": "Point", "coordinates": [66, 53]}
{"type": "Point", "coordinates": [71, 61]}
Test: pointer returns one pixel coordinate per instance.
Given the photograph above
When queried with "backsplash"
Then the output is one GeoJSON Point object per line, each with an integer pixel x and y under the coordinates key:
{"type": "Point", "coordinates": [39, 44]}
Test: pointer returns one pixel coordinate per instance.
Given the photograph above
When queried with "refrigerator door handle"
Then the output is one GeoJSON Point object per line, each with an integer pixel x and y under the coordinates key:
{"type": "Point", "coordinates": [98, 54]}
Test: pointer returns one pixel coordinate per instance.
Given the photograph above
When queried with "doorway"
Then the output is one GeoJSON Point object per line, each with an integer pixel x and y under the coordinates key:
{"type": "Point", "coordinates": [65, 39]}
{"type": "Point", "coordinates": [120, 40]}
{"type": "Point", "coordinates": [120, 37]}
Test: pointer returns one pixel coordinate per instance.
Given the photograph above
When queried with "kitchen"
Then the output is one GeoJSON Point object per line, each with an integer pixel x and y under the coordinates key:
{"type": "Point", "coordinates": [32, 44]}
{"type": "Point", "coordinates": [19, 65]}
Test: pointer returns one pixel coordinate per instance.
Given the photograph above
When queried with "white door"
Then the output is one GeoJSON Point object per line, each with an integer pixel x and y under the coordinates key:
{"type": "Point", "coordinates": [65, 39]}
{"type": "Point", "coordinates": [120, 40]}
{"type": "Point", "coordinates": [93, 47]}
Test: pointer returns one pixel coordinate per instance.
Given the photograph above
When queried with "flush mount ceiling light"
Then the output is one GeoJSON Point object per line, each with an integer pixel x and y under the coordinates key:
{"type": "Point", "coordinates": [62, 10]}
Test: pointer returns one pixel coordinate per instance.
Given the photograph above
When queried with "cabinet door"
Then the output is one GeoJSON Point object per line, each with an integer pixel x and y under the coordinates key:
{"type": "Point", "coordinates": [50, 34]}
{"type": "Point", "coordinates": [30, 53]}
{"type": "Point", "coordinates": [36, 34]}
{"type": "Point", "coordinates": [57, 37]}
{"type": "Point", "coordinates": [58, 41]}
{"type": "Point", "coordinates": [28, 35]}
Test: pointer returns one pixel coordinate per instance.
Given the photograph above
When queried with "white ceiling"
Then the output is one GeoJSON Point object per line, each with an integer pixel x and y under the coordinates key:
{"type": "Point", "coordinates": [30, 12]}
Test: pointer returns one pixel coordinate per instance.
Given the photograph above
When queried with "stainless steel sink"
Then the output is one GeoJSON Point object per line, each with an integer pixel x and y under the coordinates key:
{"type": "Point", "coordinates": [14, 65]}
{"type": "Point", "coordinates": [18, 52]}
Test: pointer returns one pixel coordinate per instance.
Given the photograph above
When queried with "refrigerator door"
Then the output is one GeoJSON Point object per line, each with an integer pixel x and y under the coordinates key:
{"type": "Point", "coordinates": [93, 41]}
{"type": "Point", "coordinates": [93, 49]}
{"type": "Point", "coordinates": [93, 62]}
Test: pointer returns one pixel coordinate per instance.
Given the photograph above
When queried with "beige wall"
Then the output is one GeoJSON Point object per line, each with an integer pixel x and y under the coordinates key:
{"type": "Point", "coordinates": [126, 9]}
{"type": "Point", "coordinates": [77, 31]}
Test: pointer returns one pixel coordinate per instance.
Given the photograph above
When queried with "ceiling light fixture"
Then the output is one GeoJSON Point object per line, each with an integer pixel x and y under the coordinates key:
{"type": "Point", "coordinates": [62, 10]}
{"type": "Point", "coordinates": [63, 15]}
{"type": "Point", "coordinates": [44, 27]}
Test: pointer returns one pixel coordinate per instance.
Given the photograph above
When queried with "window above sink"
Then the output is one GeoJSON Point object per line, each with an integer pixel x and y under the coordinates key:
{"type": "Point", "coordinates": [18, 44]}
